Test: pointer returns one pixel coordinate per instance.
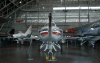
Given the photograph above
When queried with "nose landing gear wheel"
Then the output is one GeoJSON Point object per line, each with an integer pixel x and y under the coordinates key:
{"type": "Point", "coordinates": [50, 57]}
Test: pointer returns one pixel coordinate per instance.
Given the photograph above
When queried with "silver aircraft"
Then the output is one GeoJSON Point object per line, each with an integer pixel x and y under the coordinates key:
{"type": "Point", "coordinates": [50, 35]}
{"type": "Point", "coordinates": [94, 30]}
{"type": "Point", "coordinates": [22, 36]}
{"type": "Point", "coordinates": [91, 33]}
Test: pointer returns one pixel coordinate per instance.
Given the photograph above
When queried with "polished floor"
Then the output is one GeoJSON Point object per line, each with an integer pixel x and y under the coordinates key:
{"type": "Point", "coordinates": [13, 53]}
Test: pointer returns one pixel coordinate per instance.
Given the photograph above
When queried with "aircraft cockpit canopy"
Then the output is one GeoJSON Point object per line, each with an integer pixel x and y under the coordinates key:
{"type": "Point", "coordinates": [52, 24]}
{"type": "Point", "coordinates": [45, 29]}
{"type": "Point", "coordinates": [95, 25]}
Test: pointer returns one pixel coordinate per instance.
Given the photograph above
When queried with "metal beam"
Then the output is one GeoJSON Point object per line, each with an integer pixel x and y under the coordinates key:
{"type": "Point", "coordinates": [13, 3]}
{"type": "Point", "coordinates": [5, 6]}
{"type": "Point", "coordinates": [18, 8]}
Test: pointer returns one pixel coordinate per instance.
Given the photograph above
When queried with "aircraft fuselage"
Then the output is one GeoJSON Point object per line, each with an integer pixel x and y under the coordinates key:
{"type": "Point", "coordinates": [56, 34]}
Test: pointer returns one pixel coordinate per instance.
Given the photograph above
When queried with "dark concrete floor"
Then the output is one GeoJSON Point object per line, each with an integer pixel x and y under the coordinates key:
{"type": "Point", "coordinates": [71, 54]}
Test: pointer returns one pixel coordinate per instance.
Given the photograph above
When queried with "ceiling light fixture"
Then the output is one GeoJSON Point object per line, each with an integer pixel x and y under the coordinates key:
{"type": "Point", "coordinates": [43, 7]}
{"type": "Point", "coordinates": [20, 2]}
{"type": "Point", "coordinates": [75, 8]}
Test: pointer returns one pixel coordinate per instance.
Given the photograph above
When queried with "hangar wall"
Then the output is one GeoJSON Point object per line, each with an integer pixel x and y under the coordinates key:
{"type": "Point", "coordinates": [64, 20]}
{"type": "Point", "coordinates": [36, 12]}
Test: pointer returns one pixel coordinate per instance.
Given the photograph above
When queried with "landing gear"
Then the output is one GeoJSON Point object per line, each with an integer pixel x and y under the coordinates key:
{"type": "Point", "coordinates": [30, 50]}
{"type": "Point", "coordinates": [50, 56]}
{"type": "Point", "coordinates": [61, 50]}
{"type": "Point", "coordinates": [50, 47]}
{"type": "Point", "coordinates": [92, 43]}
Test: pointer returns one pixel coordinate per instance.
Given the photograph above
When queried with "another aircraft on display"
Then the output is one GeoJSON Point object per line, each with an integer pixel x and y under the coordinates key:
{"type": "Point", "coordinates": [21, 36]}
{"type": "Point", "coordinates": [50, 35]}
{"type": "Point", "coordinates": [91, 33]}
{"type": "Point", "coordinates": [94, 30]}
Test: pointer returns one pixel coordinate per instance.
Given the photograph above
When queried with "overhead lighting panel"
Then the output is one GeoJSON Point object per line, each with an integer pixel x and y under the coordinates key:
{"type": "Point", "coordinates": [20, 2]}
{"type": "Point", "coordinates": [76, 8]}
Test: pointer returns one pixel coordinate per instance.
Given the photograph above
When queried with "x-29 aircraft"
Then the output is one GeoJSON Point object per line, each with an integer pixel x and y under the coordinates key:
{"type": "Point", "coordinates": [21, 36]}
{"type": "Point", "coordinates": [50, 35]}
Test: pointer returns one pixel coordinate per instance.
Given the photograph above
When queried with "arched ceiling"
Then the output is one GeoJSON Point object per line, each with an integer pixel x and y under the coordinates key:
{"type": "Point", "coordinates": [8, 7]}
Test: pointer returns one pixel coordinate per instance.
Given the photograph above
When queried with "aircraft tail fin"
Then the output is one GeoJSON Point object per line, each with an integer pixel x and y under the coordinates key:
{"type": "Point", "coordinates": [29, 31]}
{"type": "Point", "coordinates": [12, 31]}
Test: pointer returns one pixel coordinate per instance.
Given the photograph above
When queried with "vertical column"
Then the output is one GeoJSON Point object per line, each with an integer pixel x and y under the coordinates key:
{"type": "Point", "coordinates": [88, 12]}
{"type": "Point", "coordinates": [65, 15]}
{"type": "Point", "coordinates": [80, 24]}
{"type": "Point", "coordinates": [26, 18]}
{"type": "Point", "coordinates": [79, 11]}
{"type": "Point", "coordinates": [14, 20]}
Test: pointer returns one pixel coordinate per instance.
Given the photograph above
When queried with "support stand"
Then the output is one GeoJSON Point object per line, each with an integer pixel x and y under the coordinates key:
{"type": "Point", "coordinates": [50, 46]}
{"type": "Point", "coordinates": [30, 51]}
